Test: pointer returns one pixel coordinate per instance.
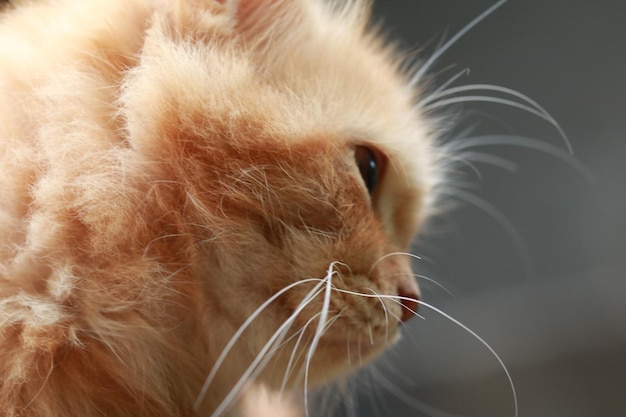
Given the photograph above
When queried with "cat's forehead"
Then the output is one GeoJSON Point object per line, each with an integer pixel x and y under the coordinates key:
{"type": "Point", "coordinates": [333, 73]}
{"type": "Point", "coordinates": [294, 69]}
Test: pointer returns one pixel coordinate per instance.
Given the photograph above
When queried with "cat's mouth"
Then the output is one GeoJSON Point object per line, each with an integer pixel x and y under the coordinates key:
{"type": "Point", "coordinates": [346, 337]}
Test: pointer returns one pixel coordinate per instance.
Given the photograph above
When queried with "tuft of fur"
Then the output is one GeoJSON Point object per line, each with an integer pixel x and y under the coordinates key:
{"type": "Point", "coordinates": [170, 165]}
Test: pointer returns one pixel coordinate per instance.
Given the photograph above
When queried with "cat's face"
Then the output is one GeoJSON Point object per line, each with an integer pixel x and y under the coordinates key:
{"type": "Point", "coordinates": [304, 168]}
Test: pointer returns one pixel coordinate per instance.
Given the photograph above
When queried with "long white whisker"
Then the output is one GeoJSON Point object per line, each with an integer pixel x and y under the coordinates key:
{"type": "Point", "coordinates": [481, 87]}
{"type": "Point", "coordinates": [441, 92]}
{"type": "Point", "coordinates": [489, 87]}
{"type": "Point", "coordinates": [333, 319]}
{"type": "Point", "coordinates": [498, 100]}
{"type": "Point", "coordinates": [425, 278]}
{"type": "Point", "coordinates": [301, 334]}
{"type": "Point", "coordinates": [292, 357]}
{"type": "Point", "coordinates": [477, 337]}
{"type": "Point", "coordinates": [386, 314]}
{"type": "Point", "coordinates": [318, 333]}
{"type": "Point", "coordinates": [461, 159]}
{"type": "Point", "coordinates": [524, 142]}
{"type": "Point", "coordinates": [443, 86]}
{"type": "Point", "coordinates": [488, 159]}
{"type": "Point", "coordinates": [262, 357]}
{"type": "Point", "coordinates": [382, 258]}
{"type": "Point", "coordinates": [242, 328]}
{"type": "Point", "coordinates": [399, 299]}
{"type": "Point", "coordinates": [415, 313]}
{"type": "Point", "coordinates": [429, 62]}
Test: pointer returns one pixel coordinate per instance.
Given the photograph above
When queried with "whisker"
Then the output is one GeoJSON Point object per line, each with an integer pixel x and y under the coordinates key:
{"type": "Point", "coordinates": [498, 100]}
{"type": "Point", "coordinates": [382, 258]}
{"type": "Point", "coordinates": [296, 334]}
{"type": "Point", "coordinates": [433, 58]}
{"type": "Point", "coordinates": [318, 333]}
{"type": "Point", "coordinates": [445, 85]}
{"type": "Point", "coordinates": [425, 278]}
{"type": "Point", "coordinates": [333, 319]}
{"type": "Point", "coordinates": [262, 357]}
{"type": "Point", "coordinates": [523, 142]}
{"type": "Point", "coordinates": [243, 327]}
{"type": "Point", "coordinates": [460, 159]}
{"type": "Point", "coordinates": [386, 314]}
{"type": "Point", "coordinates": [441, 92]}
{"type": "Point", "coordinates": [433, 281]}
{"type": "Point", "coordinates": [296, 354]}
{"type": "Point", "coordinates": [487, 159]}
{"type": "Point", "coordinates": [433, 98]}
{"type": "Point", "coordinates": [292, 357]}
{"type": "Point", "coordinates": [399, 299]}
{"type": "Point", "coordinates": [415, 313]}
{"type": "Point", "coordinates": [380, 297]}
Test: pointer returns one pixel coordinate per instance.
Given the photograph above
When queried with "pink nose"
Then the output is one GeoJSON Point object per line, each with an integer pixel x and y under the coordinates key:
{"type": "Point", "coordinates": [409, 292]}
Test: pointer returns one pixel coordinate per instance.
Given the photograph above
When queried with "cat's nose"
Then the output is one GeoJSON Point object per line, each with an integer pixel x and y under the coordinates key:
{"type": "Point", "coordinates": [409, 294]}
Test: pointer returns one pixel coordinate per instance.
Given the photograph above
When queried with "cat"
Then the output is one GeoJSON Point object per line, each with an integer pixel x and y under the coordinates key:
{"type": "Point", "coordinates": [200, 200]}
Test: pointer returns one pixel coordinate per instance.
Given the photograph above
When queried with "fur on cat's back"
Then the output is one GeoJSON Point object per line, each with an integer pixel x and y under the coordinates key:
{"type": "Point", "coordinates": [169, 165]}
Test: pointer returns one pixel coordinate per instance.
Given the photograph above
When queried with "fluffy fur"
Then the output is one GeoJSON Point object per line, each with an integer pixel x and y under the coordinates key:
{"type": "Point", "coordinates": [170, 165]}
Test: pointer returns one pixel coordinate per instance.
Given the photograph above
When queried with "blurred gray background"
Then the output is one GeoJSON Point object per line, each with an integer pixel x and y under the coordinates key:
{"type": "Point", "coordinates": [553, 308]}
{"type": "Point", "coordinates": [558, 321]}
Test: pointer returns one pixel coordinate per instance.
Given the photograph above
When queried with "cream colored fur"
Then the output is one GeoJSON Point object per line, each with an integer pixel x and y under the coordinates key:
{"type": "Point", "coordinates": [170, 165]}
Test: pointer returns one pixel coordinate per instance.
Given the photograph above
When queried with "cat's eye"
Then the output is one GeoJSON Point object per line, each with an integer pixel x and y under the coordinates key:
{"type": "Point", "coordinates": [370, 166]}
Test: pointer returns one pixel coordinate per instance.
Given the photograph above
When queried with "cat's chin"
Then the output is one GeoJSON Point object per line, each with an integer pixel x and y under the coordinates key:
{"type": "Point", "coordinates": [337, 357]}
{"type": "Point", "coordinates": [360, 352]}
{"type": "Point", "coordinates": [333, 358]}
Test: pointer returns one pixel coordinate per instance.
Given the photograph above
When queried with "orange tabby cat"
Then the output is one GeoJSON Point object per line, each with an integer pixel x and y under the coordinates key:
{"type": "Point", "coordinates": [196, 196]}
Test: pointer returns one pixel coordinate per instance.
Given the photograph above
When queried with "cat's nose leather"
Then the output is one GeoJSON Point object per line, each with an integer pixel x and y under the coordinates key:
{"type": "Point", "coordinates": [409, 293]}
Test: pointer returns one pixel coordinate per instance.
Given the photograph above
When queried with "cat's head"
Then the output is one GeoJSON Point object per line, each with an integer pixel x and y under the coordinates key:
{"type": "Point", "coordinates": [301, 168]}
